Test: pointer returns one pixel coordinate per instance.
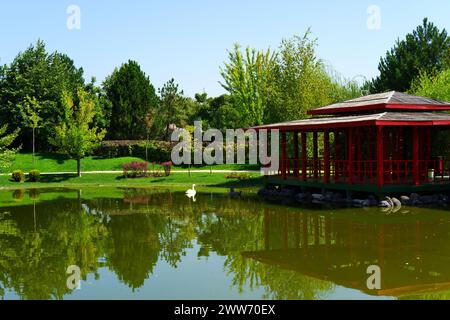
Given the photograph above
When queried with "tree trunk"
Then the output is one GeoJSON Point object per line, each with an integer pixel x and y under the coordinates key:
{"type": "Point", "coordinates": [146, 148]}
{"type": "Point", "coordinates": [33, 146]}
{"type": "Point", "coordinates": [79, 167]}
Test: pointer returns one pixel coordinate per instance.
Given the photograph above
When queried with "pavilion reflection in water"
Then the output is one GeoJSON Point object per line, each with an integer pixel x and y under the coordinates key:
{"type": "Point", "coordinates": [413, 254]}
{"type": "Point", "coordinates": [283, 252]}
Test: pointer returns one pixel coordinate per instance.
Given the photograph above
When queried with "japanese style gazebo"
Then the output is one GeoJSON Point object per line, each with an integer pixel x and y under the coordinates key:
{"type": "Point", "coordinates": [377, 143]}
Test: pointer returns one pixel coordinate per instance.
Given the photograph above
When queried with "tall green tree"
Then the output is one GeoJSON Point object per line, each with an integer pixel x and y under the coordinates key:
{"type": "Point", "coordinates": [248, 78]}
{"type": "Point", "coordinates": [282, 85]}
{"type": "Point", "coordinates": [44, 76]}
{"type": "Point", "coordinates": [103, 106]}
{"type": "Point", "coordinates": [32, 109]}
{"type": "Point", "coordinates": [172, 105]}
{"type": "Point", "coordinates": [132, 96]}
{"type": "Point", "coordinates": [435, 85]}
{"type": "Point", "coordinates": [425, 49]}
{"type": "Point", "coordinates": [302, 82]}
{"type": "Point", "coordinates": [75, 136]}
{"type": "Point", "coordinates": [223, 115]}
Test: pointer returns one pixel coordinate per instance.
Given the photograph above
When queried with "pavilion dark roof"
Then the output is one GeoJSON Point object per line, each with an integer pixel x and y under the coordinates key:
{"type": "Point", "coordinates": [377, 118]}
{"type": "Point", "coordinates": [380, 101]}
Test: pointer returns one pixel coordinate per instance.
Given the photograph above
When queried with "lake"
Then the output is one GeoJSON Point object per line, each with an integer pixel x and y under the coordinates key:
{"type": "Point", "coordinates": [159, 244]}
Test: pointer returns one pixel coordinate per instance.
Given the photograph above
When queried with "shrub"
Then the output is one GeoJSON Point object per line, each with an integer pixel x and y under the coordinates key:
{"type": "Point", "coordinates": [239, 176]}
{"type": "Point", "coordinates": [167, 167]}
{"type": "Point", "coordinates": [135, 169]}
{"type": "Point", "coordinates": [34, 176]}
{"type": "Point", "coordinates": [18, 195]}
{"type": "Point", "coordinates": [18, 176]}
{"type": "Point", "coordinates": [34, 194]}
{"type": "Point", "coordinates": [156, 170]}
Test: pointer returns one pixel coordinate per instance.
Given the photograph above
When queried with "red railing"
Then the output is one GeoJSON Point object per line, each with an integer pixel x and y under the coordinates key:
{"type": "Point", "coordinates": [395, 171]}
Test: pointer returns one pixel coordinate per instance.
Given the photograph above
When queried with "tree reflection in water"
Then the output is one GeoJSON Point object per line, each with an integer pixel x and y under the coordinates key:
{"type": "Point", "coordinates": [289, 253]}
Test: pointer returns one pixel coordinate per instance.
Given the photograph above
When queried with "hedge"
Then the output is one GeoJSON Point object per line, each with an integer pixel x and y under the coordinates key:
{"type": "Point", "coordinates": [158, 151]}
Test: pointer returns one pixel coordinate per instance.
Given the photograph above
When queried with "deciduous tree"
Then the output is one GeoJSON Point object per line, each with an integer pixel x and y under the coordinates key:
{"type": "Point", "coordinates": [32, 109]}
{"type": "Point", "coordinates": [41, 75]}
{"type": "Point", "coordinates": [75, 136]}
{"type": "Point", "coordinates": [6, 152]}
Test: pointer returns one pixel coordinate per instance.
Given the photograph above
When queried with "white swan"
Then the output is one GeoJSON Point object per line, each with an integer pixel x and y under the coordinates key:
{"type": "Point", "coordinates": [190, 193]}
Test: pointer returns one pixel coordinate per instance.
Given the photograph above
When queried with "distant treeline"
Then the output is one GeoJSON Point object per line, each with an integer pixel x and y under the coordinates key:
{"type": "Point", "coordinates": [262, 87]}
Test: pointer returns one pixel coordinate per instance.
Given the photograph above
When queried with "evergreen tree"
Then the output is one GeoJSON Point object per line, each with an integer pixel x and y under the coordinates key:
{"type": "Point", "coordinates": [426, 49]}
{"type": "Point", "coordinates": [132, 96]}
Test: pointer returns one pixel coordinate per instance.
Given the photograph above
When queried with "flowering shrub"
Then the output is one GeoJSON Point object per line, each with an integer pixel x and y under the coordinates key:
{"type": "Point", "coordinates": [156, 170]}
{"type": "Point", "coordinates": [141, 169]}
{"type": "Point", "coordinates": [135, 169]}
{"type": "Point", "coordinates": [167, 167]}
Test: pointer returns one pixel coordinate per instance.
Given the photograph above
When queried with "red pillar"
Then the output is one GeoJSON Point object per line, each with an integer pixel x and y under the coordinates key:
{"type": "Point", "coordinates": [402, 175]}
{"type": "Point", "coordinates": [326, 155]}
{"type": "Point", "coordinates": [370, 166]}
{"type": "Point", "coordinates": [380, 157]}
{"type": "Point", "coordinates": [304, 157]}
{"type": "Point", "coordinates": [351, 156]}
{"type": "Point", "coordinates": [358, 153]}
{"type": "Point", "coordinates": [416, 148]}
{"type": "Point", "coordinates": [266, 229]}
{"type": "Point", "coordinates": [428, 164]}
{"type": "Point", "coordinates": [337, 155]}
{"type": "Point", "coordinates": [283, 155]}
{"type": "Point", "coordinates": [402, 144]}
{"type": "Point", "coordinates": [381, 245]}
{"type": "Point", "coordinates": [315, 155]}
{"type": "Point", "coordinates": [296, 166]}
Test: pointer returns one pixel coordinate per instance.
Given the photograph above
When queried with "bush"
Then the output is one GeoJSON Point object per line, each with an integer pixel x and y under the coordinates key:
{"type": "Point", "coordinates": [155, 170]}
{"type": "Point", "coordinates": [135, 169]}
{"type": "Point", "coordinates": [34, 194]}
{"type": "Point", "coordinates": [18, 176]}
{"type": "Point", "coordinates": [34, 176]}
{"type": "Point", "coordinates": [18, 195]}
{"type": "Point", "coordinates": [167, 167]}
{"type": "Point", "coordinates": [239, 176]}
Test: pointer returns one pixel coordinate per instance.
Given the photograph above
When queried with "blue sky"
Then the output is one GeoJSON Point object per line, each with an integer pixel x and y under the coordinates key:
{"type": "Point", "coordinates": [188, 40]}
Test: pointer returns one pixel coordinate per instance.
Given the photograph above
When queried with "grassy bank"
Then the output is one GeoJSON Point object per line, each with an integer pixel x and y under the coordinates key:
{"type": "Point", "coordinates": [50, 162]}
{"type": "Point", "coordinates": [24, 196]}
{"type": "Point", "coordinates": [216, 180]}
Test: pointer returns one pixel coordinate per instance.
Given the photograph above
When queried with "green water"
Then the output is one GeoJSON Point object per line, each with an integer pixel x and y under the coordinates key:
{"type": "Point", "coordinates": [158, 244]}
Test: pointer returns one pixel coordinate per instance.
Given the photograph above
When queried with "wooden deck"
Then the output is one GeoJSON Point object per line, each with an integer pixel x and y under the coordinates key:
{"type": "Point", "coordinates": [311, 183]}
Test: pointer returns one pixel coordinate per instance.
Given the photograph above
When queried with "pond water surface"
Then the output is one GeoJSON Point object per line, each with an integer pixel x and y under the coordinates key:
{"type": "Point", "coordinates": [158, 244]}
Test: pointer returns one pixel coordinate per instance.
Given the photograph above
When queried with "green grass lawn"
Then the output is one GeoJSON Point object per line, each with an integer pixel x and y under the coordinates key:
{"type": "Point", "coordinates": [58, 163]}
{"type": "Point", "coordinates": [215, 180]}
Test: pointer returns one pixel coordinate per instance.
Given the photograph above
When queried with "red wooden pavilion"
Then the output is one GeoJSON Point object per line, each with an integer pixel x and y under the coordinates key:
{"type": "Point", "coordinates": [377, 141]}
